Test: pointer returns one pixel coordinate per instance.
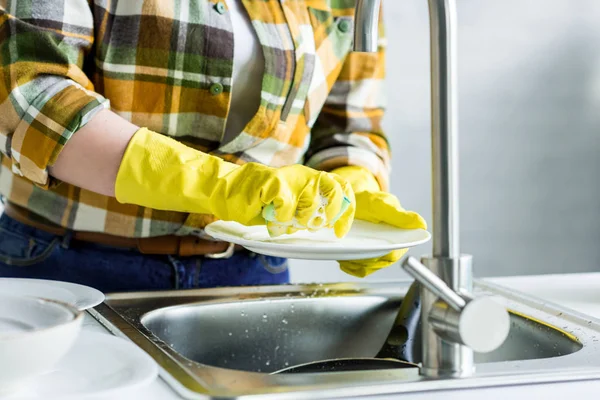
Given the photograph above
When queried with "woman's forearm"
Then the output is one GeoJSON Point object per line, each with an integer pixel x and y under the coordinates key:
{"type": "Point", "coordinates": [91, 158]}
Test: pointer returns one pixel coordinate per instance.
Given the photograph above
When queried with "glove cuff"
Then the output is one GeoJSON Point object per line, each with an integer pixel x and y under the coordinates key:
{"type": "Point", "coordinates": [161, 173]}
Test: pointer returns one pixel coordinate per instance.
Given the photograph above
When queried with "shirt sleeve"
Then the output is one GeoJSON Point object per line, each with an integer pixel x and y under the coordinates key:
{"type": "Point", "coordinates": [348, 129]}
{"type": "Point", "coordinates": [44, 95]}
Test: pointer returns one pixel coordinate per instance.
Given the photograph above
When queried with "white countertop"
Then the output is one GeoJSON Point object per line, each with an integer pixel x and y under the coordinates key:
{"type": "Point", "coordinates": [580, 292]}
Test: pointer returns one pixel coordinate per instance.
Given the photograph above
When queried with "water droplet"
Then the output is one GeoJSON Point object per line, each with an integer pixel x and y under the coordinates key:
{"type": "Point", "coordinates": [286, 363]}
{"type": "Point", "coordinates": [284, 321]}
{"type": "Point", "coordinates": [243, 314]}
{"type": "Point", "coordinates": [267, 363]}
{"type": "Point", "coordinates": [230, 334]}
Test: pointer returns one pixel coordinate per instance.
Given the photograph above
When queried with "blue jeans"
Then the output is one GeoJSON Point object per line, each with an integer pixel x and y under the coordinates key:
{"type": "Point", "coordinates": [27, 252]}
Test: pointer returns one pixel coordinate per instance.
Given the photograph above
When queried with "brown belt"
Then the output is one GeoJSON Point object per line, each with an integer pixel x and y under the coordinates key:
{"type": "Point", "coordinates": [170, 244]}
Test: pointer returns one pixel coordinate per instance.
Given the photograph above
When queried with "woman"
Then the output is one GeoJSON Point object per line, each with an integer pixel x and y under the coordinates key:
{"type": "Point", "coordinates": [128, 125]}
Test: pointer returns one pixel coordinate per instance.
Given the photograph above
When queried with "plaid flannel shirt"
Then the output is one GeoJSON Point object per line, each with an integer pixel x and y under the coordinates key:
{"type": "Point", "coordinates": [167, 65]}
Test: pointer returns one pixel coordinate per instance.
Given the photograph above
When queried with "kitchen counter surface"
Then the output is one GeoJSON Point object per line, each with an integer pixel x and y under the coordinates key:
{"type": "Point", "coordinates": [580, 292]}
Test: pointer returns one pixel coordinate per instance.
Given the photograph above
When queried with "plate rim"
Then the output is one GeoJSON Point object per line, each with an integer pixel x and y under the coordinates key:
{"type": "Point", "coordinates": [260, 245]}
{"type": "Point", "coordinates": [324, 256]}
{"type": "Point", "coordinates": [72, 298]}
{"type": "Point", "coordinates": [82, 303]}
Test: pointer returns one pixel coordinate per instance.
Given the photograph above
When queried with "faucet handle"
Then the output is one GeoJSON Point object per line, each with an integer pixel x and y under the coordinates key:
{"type": "Point", "coordinates": [432, 282]}
{"type": "Point", "coordinates": [479, 323]}
{"type": "Point", "coordinates": [483, 324]}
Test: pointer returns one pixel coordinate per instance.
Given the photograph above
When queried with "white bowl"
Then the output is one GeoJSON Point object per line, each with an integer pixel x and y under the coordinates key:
{"type": "Point", "coordinates": [34, 335]}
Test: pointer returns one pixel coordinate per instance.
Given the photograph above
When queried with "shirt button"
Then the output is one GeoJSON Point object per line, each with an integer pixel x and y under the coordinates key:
{"type": "Point", "coordinates": [220, 7]}
{"type": "Point", "coordinates": [344, 26]}
{"type": "Point", "coordinates": [216, 89]}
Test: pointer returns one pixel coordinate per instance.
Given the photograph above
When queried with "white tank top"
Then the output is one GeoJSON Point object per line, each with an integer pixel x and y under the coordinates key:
{"type": "Point", "coordinates": [248, 71]}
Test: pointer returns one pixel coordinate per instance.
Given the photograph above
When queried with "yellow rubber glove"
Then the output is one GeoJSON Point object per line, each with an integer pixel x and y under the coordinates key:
{"type": "Point", "coordinates": [376, 206]}
{"type": "Point", "coordinates": [161, 173]}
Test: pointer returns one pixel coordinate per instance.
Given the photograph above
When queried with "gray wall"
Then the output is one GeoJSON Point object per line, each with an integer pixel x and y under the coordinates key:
{"type": "Point", "coordinates": [529, 78]}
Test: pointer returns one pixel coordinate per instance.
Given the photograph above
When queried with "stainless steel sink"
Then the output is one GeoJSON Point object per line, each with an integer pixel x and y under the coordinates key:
{"type": "Point", "coordinates": [227, 342]}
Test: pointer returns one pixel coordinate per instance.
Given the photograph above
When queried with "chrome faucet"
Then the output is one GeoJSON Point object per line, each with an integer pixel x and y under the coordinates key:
{"type": "Point", "coordinates": [454, 324]}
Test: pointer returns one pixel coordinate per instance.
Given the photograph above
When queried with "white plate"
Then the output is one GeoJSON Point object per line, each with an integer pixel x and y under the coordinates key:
{"type": "Point", "coordinates": [80, 296]}
{"type": "Point", "coordinates": [365, 240]}
{"type": "Point", "coordinates": [98, 364]}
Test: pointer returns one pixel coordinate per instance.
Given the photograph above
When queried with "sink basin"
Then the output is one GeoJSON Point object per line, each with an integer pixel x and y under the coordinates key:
{"type": "Point", "coordinates": [266, 336]}
{"type": "Point", "coordinates": [227, 342]}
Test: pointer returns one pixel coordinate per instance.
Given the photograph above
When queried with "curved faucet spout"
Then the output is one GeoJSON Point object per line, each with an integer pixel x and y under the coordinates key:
{"type": "Point", "coordinates": [366, 30]}
{"type": "Point", "coordinates": [444, 112]}
{"type": "Point", "coordinates": [450, 357]}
